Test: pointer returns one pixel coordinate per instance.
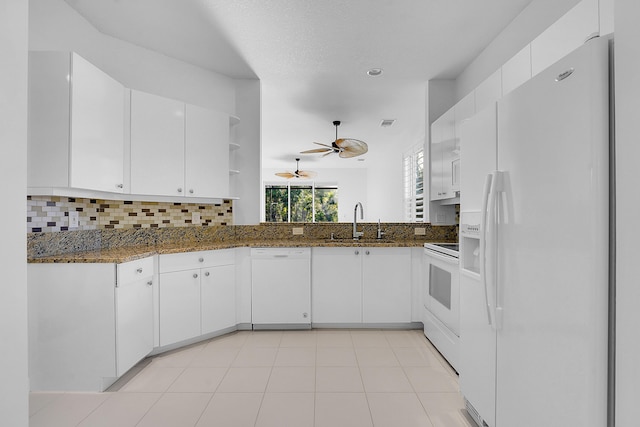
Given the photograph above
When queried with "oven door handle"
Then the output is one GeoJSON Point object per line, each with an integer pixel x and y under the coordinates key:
{"type": "Point", "coordinates": [440, 257]}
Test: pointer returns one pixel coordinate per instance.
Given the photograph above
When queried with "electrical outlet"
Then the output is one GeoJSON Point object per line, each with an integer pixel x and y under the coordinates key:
{"type": "Point", "coordinates": [420, 231]}
{"type": "Point", "coordinates": [74, 219]}
{"type": "Point", "coordinates": [298, 231]}
{"type": "Point", "coordinates": [195, 217]}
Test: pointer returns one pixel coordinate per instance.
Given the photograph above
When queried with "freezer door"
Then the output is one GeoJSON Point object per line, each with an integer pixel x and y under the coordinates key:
{"type": "Point", "coordinates": [553, 245]}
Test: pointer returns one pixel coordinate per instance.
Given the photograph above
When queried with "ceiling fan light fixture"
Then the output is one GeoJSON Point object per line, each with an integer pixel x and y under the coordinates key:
{"type": "Point", "coordinates": [375, 72]}
{"type": "Point", "coordinates": [344, 147]}
{"type": "Point", "coordinates": [298, 173]}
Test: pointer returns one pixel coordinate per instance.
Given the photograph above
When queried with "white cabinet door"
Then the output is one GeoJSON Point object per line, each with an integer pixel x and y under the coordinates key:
{"type": "Point", "coordinates": [157, 145]}
{"type": "Point", "coordinates": [448, 145]}
{"type": "Point", "coordinates": [97, 129]}
{"type": "Point", "coordinates": [207, 153]}
{"type": "Point", "coordinates": [134, 323]}
{"type": "Point", "coordinates": [218, 298]}
{"type": "Point", "coordinates": [336, 285]}
{"type": "Point", "coordinates": [76, 124]}
{"type": "Point", "coordinates": [386, 285]}
{"type": "Point", "coordinates": [179, 306]}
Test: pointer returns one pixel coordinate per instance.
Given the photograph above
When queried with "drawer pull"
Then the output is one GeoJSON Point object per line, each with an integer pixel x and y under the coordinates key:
{"type": "Point", "coordinates": [206, 274]}
{"type": "Point", "coordinates": [201, 259]}
{"type": "Point", "coordinates": [150, 283]}
{"type": "Point", "coordinates": [139, 270]}
{"type": "Point", "coordinates": [195, 275]}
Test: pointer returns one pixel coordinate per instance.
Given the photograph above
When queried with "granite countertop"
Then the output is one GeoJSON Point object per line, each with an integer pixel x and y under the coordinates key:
{"type": "Point", "coordinates": [131, 253]}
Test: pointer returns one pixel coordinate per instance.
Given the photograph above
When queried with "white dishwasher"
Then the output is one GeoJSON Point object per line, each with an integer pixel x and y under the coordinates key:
{"type": "Point", "coordinates": [281, 288]}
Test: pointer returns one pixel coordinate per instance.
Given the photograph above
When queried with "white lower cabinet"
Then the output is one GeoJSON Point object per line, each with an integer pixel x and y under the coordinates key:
{"type": "Point", "coordinates": [197, 294]}
{"type": "Point", "coordinates": [361, 285]}
{"type": "Point", "coordinates": [88, 323]}
{"type": "Point", "coordinates": [218, 298]}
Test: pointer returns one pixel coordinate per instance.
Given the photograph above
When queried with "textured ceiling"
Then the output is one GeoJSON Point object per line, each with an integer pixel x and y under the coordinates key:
{"type": "Point", "coordinates": [312, 56]}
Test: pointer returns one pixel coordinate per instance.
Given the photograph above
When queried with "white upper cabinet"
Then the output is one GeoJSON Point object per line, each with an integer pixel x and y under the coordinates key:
{"type": "Point", "coordinates": [489, 91]}
{"type": "Point", "coordinates": [157, 145]}
{"type": "Point", "coordinates": [442, 146]}
{"type": "Point", "coordinates": [207, 153]}
{"type": "Point", "coordinates": [565, 35]}
{"type": "Point", "coordinates": [517, 70]}
{"type": "Point", "coordinates": [76, 124]}
{"type": "Point", "coordinates": [178, 149]}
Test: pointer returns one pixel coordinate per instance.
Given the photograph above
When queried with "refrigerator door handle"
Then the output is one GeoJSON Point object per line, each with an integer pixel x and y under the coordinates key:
{"type": "Point", "coordinates": [484, 234]}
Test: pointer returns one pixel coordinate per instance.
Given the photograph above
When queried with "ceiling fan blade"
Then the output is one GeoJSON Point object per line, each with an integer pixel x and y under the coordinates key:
{"type": "Point", "coordinates": [325, 145]}
{"type": "Point", "coordinates": [351, 147]}
{"type": "Point", "coordinates": [306, 174]}
{"type": "Point", "coordinates": [287, 175]}
{"type": "Point", "coordinates": [317, 150]}
{"type": "Point", "coordinates": [330, 152]}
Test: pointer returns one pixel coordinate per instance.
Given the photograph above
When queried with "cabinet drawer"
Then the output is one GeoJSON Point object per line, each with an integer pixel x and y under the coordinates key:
{"type": "Point", "coordinates": [191, 260]}
{"type": "Point", "coordinates": [134, 270]}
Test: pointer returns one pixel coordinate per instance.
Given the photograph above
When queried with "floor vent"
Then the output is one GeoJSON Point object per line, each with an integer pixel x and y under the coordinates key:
{"type": "Point", "coordinates": [474, 414]}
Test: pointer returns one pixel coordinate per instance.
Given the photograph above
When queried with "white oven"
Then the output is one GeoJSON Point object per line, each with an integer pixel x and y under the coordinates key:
{"type": "Point", "coordinates": [441, 298]}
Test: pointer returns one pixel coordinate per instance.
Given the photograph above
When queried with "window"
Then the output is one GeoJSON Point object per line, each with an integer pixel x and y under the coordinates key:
{"type": "Point", "coordinates": [301, 203]}
{"type": "Point", "coordinates": [414, 184]}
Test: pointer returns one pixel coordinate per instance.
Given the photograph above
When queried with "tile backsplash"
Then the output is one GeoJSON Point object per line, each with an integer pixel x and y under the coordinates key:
{"type": "Point", "coordinates": [51, 213]}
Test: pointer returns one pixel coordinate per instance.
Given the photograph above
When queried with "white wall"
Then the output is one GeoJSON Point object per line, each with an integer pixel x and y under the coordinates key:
{"type": "Point", "coordinates": [627, 92]}
{"type": "Point", "coordinates": [246, 186]}
{"type": "Point", "coordinates": [54, 25]}
{"type": "Point", "coordinates": [14, 387]}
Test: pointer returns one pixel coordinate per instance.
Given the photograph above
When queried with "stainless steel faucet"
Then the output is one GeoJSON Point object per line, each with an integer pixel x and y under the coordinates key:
{"type": "Point", "coordinates": [380, 232]}
{"type": "Point", "coordinates": [357, 234]}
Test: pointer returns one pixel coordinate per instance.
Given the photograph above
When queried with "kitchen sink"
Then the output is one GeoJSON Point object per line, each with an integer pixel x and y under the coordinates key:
{"type": "Point", "coordinates": [359, 241]}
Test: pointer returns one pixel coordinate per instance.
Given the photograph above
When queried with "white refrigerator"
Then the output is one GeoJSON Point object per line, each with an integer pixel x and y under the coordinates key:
{"type": "Point", "coordinates": [535, 247]}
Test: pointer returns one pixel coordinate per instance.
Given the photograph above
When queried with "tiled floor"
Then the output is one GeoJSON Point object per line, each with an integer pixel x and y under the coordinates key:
{"type": "Point", "coordinates": [318, 378]}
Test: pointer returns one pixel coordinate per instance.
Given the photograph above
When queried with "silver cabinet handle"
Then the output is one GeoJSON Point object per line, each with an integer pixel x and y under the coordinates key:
{"type": "Point", "coordinates": [206, 274]}
{"type": "Point", "coordinates": [195, 275]}
{"type": "Point", "coordinates": [357, 252]}
{"type": "Point", "coordinates": [191, 191]}
{"type": "Point", "coordinates": [201, 259]}
{"type": "Point", "coordinates": [139, 270]}
{"type": "Point", "coordinates": [119, 186]}
{"type": "Point", "coordinates": [179, 190]}
{"type": "Point", "coordinates": [367, 252]}
{"type": "Point", "coordinates": [150, 283]}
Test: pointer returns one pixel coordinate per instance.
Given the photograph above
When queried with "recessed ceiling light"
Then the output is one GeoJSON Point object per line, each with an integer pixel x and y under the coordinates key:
{"type": "Point", "coordinates": [385, 123]}
{"type": "Point", "coordinates": [374, 72]}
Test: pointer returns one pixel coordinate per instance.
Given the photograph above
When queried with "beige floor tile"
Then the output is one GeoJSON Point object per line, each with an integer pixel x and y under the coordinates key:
{"type": "Point", "coordinates": [264, 339]}
{"type": "Point", "coordinates": [385, 379]}
{"type": "Point", "coordinates": [338, 379]}
{"type": "Point", "coordinates": [202, 380]}
{"type": "Point", "coordinates": [296, 356]}
{"type": "Point", "coordinates": [334, 339]}
{"type": "Point", "coordinates": [176, 410]}
{"type": "Point", "coordinates": [153, 379]}
{"type": "Point", "coordinates": [68, 410]}
{"type": "Point", "coordinates": [255, 356]}
{"type": "Point", "coordinates": [215, 357]}
{"type": "Point", "coordinates": [298, 339]}
{"type": "Point", "coordinates": [231, 410]}
{"type": "Point", "coordinates": [342, 410]}
{"type": "Point", "coordinates": [286, 409]}
{"type": "Point", "coordinates": [177, 358]}
{"type": "Point", "coordinates": [245, 380]}
{"type": "Point", "coordinates": [38, 400]}
{"type": "Point", "coordinates": [397, 409]}
{"type": "Point", "coordinates": [369, 339]}
{"type": "Point", "coordinates": [428, 379]}
{"type": "Point", "coordinates": [121, 409]}
{"type": "Point", "coordinates": [445, 409]}
{"type": "Point", "coordinates": [376, 356]}
{"type": "Point", "coordinates": [336, 356]}
{"type": "Point", "coordinates": [415, 356]}
{"type": "Point", "coordinates": [292, 380]}
{"type": "Point", "coordinates": [402, 338]}
{"type": "Point", "coordinates": [234, 340]}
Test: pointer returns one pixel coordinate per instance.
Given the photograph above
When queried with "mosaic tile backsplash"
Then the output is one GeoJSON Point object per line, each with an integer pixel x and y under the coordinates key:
{"type": "Point", "coordinates": [51, 213]}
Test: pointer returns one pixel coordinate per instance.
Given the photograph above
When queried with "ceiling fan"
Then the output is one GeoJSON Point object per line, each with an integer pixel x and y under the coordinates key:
{"type": "Point", "coordinates": [345, 147]}
{"type": "Point", "coordinates": [298, 173]}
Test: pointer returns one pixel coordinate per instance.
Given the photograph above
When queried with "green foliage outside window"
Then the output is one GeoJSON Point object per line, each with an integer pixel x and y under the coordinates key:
{"type": "Point", "coordinates": [303, 200]}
